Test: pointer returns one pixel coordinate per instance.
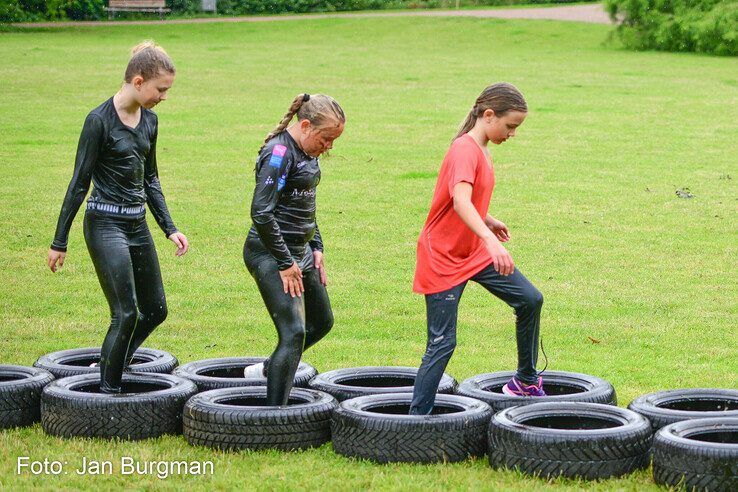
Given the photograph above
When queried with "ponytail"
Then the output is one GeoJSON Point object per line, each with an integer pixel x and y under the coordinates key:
{"type": "Point", "coordinates": [468, 123]}
{"type": "Point", "coordinates": [294, 108]}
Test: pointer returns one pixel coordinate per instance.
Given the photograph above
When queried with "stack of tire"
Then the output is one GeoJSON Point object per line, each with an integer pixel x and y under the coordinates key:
{"type": "Point", "coordinates": [231, 411]}
{"type": "Point", "coordinates": [696, 440]}
{"type": "Point", "coordinates": [20, 395]}
{"type": "Point", "coordinates": [149, 406]}
{"type": "Point", "coordinates": [574, 431]}
{"type": "Point", "coordinates": [235, 414]}
{"type": "Point", "coordinates": [373, 422]}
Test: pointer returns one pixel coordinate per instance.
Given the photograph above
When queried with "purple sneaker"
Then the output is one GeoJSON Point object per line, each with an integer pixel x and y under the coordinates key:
{"type": "Point", "coordinates": [515, 387]}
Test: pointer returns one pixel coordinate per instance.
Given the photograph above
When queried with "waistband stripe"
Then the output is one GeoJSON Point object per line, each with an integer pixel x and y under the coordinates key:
{"type": "Point", "coordinates": [116, 209]}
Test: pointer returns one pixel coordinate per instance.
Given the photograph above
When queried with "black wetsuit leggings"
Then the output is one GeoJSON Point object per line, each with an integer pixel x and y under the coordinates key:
{"type": "Point", "coordinates": [124, 256]}
{"type": "Point", "coordinates": [300, 321]}
{"type": "Point", "coordinates": [441, 311]}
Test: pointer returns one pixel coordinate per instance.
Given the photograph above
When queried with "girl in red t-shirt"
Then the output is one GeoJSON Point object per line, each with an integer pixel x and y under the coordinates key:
{"type": "Point", "coordinates": [461, 241]}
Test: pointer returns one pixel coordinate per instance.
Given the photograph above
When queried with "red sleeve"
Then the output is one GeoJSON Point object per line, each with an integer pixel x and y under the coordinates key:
{"type": "Point", "coordinates": [463, 166]}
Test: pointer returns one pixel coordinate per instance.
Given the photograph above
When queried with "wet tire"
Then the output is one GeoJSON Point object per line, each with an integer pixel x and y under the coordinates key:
{"type": "Point", "coordinates": [354, 382]}
{"type": "Point", "coordinates": [73, 362]}
{"type": "Point", "coordinates": [238, 418]}
{"type": "Point", "coordinates": [378, 428]}
{"type": "Point", "coordinates": [585, 440]}
{"type": "Point", "coordinates": [20, 395]}
{"type": "Point", "coordinates": [698, 454]}
{"type": "Point", "coordinates": [227, 372]}
{"type": "Point", "coordinates": [558, 385]}
{"type": "Point", "coordinates": [666, 407]}
{"type": "Point", "coordinates": [150, 406]}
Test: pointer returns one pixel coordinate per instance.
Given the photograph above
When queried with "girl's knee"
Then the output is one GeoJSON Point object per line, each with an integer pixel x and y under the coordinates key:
{"type": "Point", "coordinates": [441, 347]}
{"type": "Point", "coordinates": [537, 298]}
{"type": "Point", "coordinates": [158, 315]}
{"type": "Point", "coordinates": [125, 319]}
{"type": "Point", "coordinates": [328, 322]}
{"type": "Point", "coordinates": [292, 338]}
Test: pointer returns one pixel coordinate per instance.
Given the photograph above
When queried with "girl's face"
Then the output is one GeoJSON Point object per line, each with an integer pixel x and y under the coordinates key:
{"type": "Point", "coordinates": [151, 92]}
{"type": "Point", "coordinates": [500, 128]}
{"type": "Point", "coordinates": [317, 140]}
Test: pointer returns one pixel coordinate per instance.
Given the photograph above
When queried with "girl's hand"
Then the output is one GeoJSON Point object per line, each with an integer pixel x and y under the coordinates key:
{"type": "Point", "coordinates": [320, 266]}
{"type": "Point", "coordinates": [501, 259]}
{"type": "Point", "coordinates": [54, 257]}
{"type": "Point", "coordinates": [292, 280]}
{"type": "Point", "coordinates": [498, 228]}
{"type": "Point", "coordinates": [181, 241]}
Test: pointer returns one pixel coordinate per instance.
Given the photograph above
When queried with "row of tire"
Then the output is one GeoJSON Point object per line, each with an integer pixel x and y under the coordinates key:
{"type": "Point", "coordinates": [577, 431]}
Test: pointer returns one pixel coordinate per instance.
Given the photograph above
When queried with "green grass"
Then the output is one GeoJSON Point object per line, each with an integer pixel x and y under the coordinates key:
{"type": "Point", "coordinates": [587, 189]}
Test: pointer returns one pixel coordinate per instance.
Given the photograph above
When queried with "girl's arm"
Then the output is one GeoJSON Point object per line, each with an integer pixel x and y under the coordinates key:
{"type": "Point", "coordinates": [271, 173]}
{"type": "Point", "coordinates": [155, 198]}
{"type": "Point", "coordinates": [154, 193]}
{"type": "Point", "coordinates": [463, 206]}
{"type": "Point", "coordinates": [88, 150]}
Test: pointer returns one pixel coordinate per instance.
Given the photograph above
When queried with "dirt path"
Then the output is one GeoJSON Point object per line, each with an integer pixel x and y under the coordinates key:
{"type": "Point", "coordinates": [592, 13]}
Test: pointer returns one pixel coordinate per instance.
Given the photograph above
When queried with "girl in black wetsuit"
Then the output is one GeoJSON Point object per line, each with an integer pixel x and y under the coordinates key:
{"type": "Point", "coordinates": [284, 250]}
{"type": "Point", "coordinates": [117, 152]}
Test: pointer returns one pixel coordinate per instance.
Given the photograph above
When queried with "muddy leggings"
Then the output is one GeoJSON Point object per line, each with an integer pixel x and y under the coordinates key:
{"type": "Point", "coordinates": [300, 321]}
{"type": "Point", "coordinates": [127, 267]}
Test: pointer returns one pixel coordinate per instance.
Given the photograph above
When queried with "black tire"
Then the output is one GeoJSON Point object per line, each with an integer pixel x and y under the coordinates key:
{"type": "Point", "coordinates": [666, 407]}
{"type": "Point", "coordinates": [558, 385]}
{"type": "Point", "coordinates": [73, 362]}
{"type": "Point", "coordinates": [354, 382]}
{"type": "Point", "coordinates": [20, 395]}
{"type": "Point", "coordinates": [152, 406]}
{"type": "Point", "coordinates": [587, 440]}
{"type": "Point", "coordinates": [378, 428]}
{"type": "Point", "coordinates": [698, 454]}
{"type": "Point", "coordinates": [238, 418]}
{"type": "Point", "coordinates": [210, 374]}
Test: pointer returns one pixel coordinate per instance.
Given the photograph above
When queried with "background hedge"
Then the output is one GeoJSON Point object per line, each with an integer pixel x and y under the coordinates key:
{"type": "Point", "coordinates": [34, 10]}
{"type": "Point", "coordinates": [705, 26]}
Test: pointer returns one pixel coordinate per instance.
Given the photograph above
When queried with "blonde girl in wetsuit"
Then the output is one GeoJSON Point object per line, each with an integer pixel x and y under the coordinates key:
{"type": "Point", "coordinates": [117, 153]}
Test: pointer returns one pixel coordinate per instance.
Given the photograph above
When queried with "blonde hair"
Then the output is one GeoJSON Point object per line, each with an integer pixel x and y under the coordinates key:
{"type": "Point", "coordinates": [500, 98]}
{"type": "Point", "coordinates": [320, 110]}
{"type": "Point", "coordinates": [148, 60]}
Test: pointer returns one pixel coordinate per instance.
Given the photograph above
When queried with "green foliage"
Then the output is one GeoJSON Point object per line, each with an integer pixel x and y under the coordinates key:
{"type": "Point", "coordinates": [704, 26]}
{"type": "Point", "coordinates": [84, 9]}
{"type": "Point", "coordinates": [34, 10]}
{"type": "Point", "coordinates": [11, 11]}
{"type": "Point", "coordinates": [184, 6]}
{"type": "Point", "coordinates": [299, 6]}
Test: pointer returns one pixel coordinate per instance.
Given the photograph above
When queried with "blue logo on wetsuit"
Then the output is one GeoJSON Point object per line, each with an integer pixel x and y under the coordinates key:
{"type": "Point", "coordinates": [277, 156]}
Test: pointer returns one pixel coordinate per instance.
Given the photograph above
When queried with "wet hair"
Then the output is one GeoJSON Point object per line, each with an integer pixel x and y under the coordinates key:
{"type": "Point", "coordinates": [500, 98]}
{"type": "Point", "coordinates": [320, 110]}
{"type": "Point", "coordinates": [148, 60]}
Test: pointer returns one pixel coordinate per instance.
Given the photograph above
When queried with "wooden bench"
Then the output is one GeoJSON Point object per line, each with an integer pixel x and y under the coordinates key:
{"type": "Point", "coordinates": [137, 6]}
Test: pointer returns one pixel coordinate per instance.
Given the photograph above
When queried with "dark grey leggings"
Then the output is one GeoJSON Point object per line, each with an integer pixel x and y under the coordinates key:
{"type": "Point", "coordinates": [127, 267]}
{"type": "Point", "coordinates": [300, 321]}
{"type": "Point", "coordinates": [441, 311]}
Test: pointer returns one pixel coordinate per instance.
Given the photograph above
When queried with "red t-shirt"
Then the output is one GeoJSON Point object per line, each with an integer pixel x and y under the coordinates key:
{"type": "Point", "coordinates": [449, 253]}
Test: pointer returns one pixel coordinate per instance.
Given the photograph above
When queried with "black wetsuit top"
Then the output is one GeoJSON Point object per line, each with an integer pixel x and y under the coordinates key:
{"type": "Point", "coordinates": [283, 207]}
{"type": "Point", "coordinates": [121, 162]}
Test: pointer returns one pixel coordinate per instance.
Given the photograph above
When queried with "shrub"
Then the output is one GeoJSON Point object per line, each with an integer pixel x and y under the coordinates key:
{"type": "Point", "coordinates": [705, 26]}
{"type": "Point", "coordinates": [10, 11]}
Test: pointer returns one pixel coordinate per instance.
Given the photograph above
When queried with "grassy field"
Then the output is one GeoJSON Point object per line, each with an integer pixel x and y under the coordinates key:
{"type": "Point", "coordinates": [587, 189]}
